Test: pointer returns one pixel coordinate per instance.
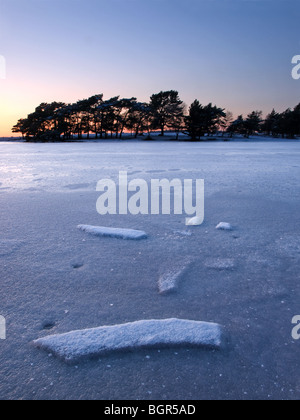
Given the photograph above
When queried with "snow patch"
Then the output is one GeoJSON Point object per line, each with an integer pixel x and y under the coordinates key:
{"type": "Point", "coordinates": [113, 232]}
{"type": "Point", "coordinates": [79, 345]}
{"type": "Point", "coordinates": [220, 263]}
{"type": "Point", "coordinates": [182, 232]}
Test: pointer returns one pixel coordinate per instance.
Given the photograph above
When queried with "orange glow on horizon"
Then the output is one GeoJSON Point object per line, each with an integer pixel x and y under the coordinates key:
{"type": "Point", "coordinates": [20, 97]}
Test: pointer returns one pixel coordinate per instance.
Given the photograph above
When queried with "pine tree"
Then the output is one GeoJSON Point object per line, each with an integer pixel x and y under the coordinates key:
{"type": "Point", "coordinates": [237, 126]}
{"type": "Point", "coordinates": [203, 120]}
{"type": "Point", "coordinates": [194, 121]}
{"type": "Point", "coordinates": [253, 123]}
{"type": "Point", "coordinates": [271, 123]}
{"type": "Point", "coordinates": [166, 109]}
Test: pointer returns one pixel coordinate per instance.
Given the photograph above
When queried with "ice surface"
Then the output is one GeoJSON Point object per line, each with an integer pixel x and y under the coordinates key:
{"type": "Point", "coordinates": [289, 245]}
{"type": "Point", "coordinates": [253, 185]}
{"type": "Point", "coordinates": [224, 226]}
{"type": "Point", "coordinates": [113, 232]}
{"type": "Point", "coordinates": [77, 345]}
{"type": "Point", "coordinates": [9, 246]}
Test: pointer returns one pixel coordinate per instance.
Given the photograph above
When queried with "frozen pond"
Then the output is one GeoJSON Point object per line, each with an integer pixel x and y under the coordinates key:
{"type": "Point", "coordinates": [55, 278]}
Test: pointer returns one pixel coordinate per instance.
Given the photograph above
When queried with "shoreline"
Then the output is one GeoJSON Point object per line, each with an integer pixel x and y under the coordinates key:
{"type": "Point", "coordinates": [158, 139]}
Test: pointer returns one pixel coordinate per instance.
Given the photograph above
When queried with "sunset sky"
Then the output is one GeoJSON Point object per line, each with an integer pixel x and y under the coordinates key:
{"type": "Point", "coordinates": [234, 53]}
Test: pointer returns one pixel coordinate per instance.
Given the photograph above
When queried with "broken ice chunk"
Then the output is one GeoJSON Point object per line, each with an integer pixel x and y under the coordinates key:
{"type": "Point", "coordinates": [224, 226]}
{"type": "Point", "coordinates": [113, 232]}
{"type": "Point", "coordinates": [79, 345]}
{"type": "Point", "coordinates": [169, 281]}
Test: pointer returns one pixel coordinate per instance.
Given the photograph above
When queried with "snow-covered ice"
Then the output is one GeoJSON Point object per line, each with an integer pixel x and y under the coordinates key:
{"type": "Point", "coordinates": [220, 263]}
{"type": "Point", "coordinates": [9, 246]}
{"type": "Point", "coordinates": [182, 232]}
{"type": "Point", "coordinates": [289, 245]}
{"type": "Point", "coordinates": [77, 345]}
{"type": "Point", "coordinates": [2, 328]}
{"type": "Point", "coordinates": [169, 281]}
{"type": "Point", "coordinates": [113, 232]}
{"type": "Point", "coordinates": [54, 278]}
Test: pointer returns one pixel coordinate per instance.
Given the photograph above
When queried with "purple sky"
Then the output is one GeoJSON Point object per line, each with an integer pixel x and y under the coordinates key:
{"type": "Point", "coordinates": [234, 53]}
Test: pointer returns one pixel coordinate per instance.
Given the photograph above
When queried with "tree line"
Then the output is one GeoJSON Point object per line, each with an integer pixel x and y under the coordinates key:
{"type": "Point", "coordinates": [165, 111]}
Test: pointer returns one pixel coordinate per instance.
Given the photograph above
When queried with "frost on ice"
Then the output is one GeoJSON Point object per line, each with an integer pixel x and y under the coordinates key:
{"type": "Point", "coordinates": [224, 226]}
{"type": "Point", "coordinates": [169, 281]}
{"type": "Point", "coordinates": [113, 232]}
{"type": "Point", "coordinates": [2, 328]}
{"type": "Point", "coordinates": [220, 263]}
{"type": "Point", "coordinates": [9, 246]}
{"type": "Point", "coordinates": [78, 345]}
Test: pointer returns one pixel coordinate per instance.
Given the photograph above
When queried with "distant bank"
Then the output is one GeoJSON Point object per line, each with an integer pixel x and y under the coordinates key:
{"type": "Point", "coordinates": [166, 139]}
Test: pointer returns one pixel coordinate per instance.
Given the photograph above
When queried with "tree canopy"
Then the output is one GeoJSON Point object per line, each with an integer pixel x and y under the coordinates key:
{"type": "Point", "coordinates": [203, 120]}
{"type": "Point", "coordinates": [166, 108]}
{"type": "Point", "coordinates": [110, 118]}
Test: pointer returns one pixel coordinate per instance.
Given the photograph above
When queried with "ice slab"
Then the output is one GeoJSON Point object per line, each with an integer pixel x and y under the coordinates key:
{"type": "Point", "coordinates": [85, 344]}
{"type": "Point", "coordinates": [113, 232]}
{"type": "Point", "coordinates": [169, 281]}
{"type": "Point", "coordinates": [224, 226]}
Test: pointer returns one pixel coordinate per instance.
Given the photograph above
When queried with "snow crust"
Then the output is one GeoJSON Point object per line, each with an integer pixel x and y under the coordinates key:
{"type": "Point", "coordinates": [113, 232]}
{"type": "Point", "coordinates": [78, 345]}
{"type": "Point", "coordinates": [220, 263]}
{"type": "Point", "coordinates": [169, 281]}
